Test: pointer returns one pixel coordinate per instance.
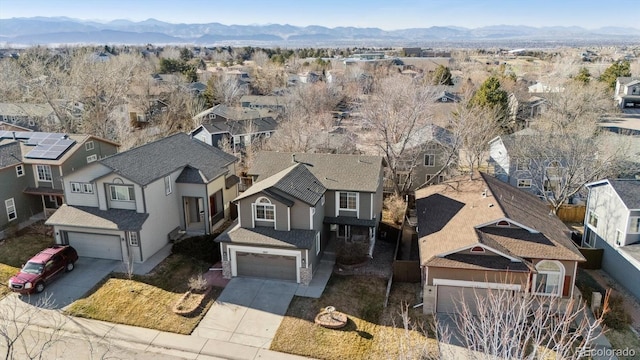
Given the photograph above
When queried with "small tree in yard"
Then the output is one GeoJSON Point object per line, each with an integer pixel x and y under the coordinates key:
{"type": "Point", "coordinates": [396, 207]}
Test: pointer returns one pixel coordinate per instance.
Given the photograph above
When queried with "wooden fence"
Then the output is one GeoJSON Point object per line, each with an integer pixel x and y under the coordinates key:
{"type": "Point", "coordinates": [572, 213]}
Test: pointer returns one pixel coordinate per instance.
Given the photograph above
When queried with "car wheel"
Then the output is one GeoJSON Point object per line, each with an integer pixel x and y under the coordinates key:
{"type": "Point", "coordinates": [70, 266]}
{"type": "Point", "coordinates": [40, 287]}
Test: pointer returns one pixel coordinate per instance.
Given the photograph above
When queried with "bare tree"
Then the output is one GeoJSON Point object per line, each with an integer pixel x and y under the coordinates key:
{"type": "Point", "coordinates": [394, 114]}
{"type": "Point", "coordinates": [225, 89]}
{"type": "Point", "coordinates": [506, 325]}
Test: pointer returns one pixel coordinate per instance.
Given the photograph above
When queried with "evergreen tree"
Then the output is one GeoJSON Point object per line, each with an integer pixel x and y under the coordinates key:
{"type": "Point", "coordinates": [583, 76]}
{"type": "Point", "coordinates": [442, 76]}
{"type": "Point", "coordinates": [617, 69]}
{"type": "Point", "coordinates": [491, 95]}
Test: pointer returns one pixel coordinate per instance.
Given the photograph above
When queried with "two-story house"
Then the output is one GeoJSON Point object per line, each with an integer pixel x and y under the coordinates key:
{"type": "Point", "coordinates": [481, 233]}
{"type": "Point", "coordinates": [271, 102]}
{"type": "Point", "coordinates": [627, 93]}
{"type": "Point", "coordinates": [612, 223]}
{"type": "Point", "coordinates": [238, 134]}
{"type": "Point", "coordinates": [296, 206]}
{"type": "Point", "coordinates": [127, 206]}
{"type": "Point", "coordinates": [32, 116]}
{"type": "Point", "coordinates": [33, 165]}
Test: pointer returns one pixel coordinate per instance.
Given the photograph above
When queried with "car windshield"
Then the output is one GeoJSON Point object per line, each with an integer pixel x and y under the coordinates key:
{"type": "Point", "coordinates": [33, 268]}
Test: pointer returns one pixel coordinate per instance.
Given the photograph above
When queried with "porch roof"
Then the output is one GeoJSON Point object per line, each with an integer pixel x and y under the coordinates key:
{"type": "Point", "coordinates": [347, 220]}
{"type": "Point", "coordinates": [94, 218]}
{"type": "Point", "coordinates": [43, 191]}
{"type": "Point", "coordinates": [478, 262]}
{"type": "Point", "coordinates": [264, 236]}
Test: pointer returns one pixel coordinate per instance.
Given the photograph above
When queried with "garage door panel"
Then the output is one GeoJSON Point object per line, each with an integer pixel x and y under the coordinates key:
{"type": "Point", "coordinates": [96, 245]}
{"type": "Point", "coordinates": [450, 298]}
{"type": "Point", "coordinates": [266, 266]}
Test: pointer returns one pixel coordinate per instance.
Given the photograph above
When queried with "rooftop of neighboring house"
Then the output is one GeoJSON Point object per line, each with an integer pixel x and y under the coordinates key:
{"type": "Point", "coordinates": [157, 159]}
{"type": "Point", "coordinates": [12, 127]}
{"type": "Point", "coordinates": [455, 214]}
{"type": "Point", "coordinates": [236, 113]}
{"type": "Point", "coordinates": [241, 127]}
{"type": "Point", "coordinates": [428, 134]}
{"type": "Point", "coordinates": [334, 171]}
{"type": "Point", "coordinates": [509, 141]}
{"type": "Point", "coordinates": [25, 109]}
{"type": "Point", "coordinates": [265, 100]}
{"type": "Point", "coordinates": [47, 148]}
{"type": "Point", "coordinates": [10, 155]}
{"type": "Point", "coordinates": [294, 182]}
{"type": "Point", "coordinates": [624, 80]}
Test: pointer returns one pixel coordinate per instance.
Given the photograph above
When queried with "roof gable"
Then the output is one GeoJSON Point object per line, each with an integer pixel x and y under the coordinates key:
{"type": "Point", "coordinates": [628, 191]}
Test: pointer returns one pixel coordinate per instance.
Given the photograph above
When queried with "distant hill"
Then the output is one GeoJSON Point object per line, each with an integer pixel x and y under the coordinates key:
{"type": "Point", "coordinates": [63, 30]}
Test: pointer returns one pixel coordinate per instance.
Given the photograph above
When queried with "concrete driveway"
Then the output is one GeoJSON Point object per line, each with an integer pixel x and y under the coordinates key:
{"type": "Point", "coordinates": [71, 286]}
{"type": "Point", "coordinates": [249, 312]}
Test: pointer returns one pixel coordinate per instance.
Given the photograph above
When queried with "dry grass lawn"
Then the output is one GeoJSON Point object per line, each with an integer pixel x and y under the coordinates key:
{"type": "Point", "coordinates": [146, 301]}
{"type": "Point", "coordinates": [369, 334]}
{"type": "Point", "coordinates": [621, 339]}
{"type": "Point", "coordinates": [6, 272]}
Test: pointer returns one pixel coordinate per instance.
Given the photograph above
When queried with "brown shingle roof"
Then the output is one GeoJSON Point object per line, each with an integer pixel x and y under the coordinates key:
{"type": "Point", "coordinates": [449, 214]}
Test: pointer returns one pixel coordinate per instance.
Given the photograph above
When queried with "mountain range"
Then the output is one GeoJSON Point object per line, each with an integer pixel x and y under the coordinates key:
{"type": "Point", "coordinates": [63, 30]}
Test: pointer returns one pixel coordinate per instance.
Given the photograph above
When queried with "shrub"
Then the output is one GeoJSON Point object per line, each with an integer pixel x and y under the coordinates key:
{"type": "Point", "coordinates": [617, 317]}
{"type": "Point", "coordinates": [199, 247]}
{"type": "Point", "coordinates": [198, 283]}
{"type": "Point", "coordinates": [396, 206]}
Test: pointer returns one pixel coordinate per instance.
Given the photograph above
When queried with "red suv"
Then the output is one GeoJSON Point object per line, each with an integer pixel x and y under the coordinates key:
{"type": "Point", "coordinates": [42, 268]}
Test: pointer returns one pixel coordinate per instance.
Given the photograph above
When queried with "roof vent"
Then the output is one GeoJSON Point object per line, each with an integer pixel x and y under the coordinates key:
{"type": "Point", "coordinates": [293, 158]}
{"type": "Point", "coordinates": [485, 193]}
{"type": "Point", "coordinates": [490, 205]}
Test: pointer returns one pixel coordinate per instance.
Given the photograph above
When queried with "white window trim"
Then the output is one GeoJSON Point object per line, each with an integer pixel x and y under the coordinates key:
{"type": "Point", "coordinates": [92, 158]}
{"type": "Point", "coordinates": [433, 163]}
{"type": "Point", "coordinates": [88, 146]}
{"type": "Point", "coordinates": [637, 230]}
{"type": "Point", "coordinates": [47, 171]}
{"type": "Point", "coordinates": [11, 204]}
{"type": "Point", "coordinates": [312, 211]}
{"type": "Point", "coordinates": [87, 188]}
{"type": "Point", "coordinates": [524, 185]}
{"type": "Point", "coordinates": [586, 243]}
{"type": "Point", "coordinates": [589, 213]}
{"type": "Point", "coordinates": [348, 209]}
{"type": "Point", "coordinates": [122, 186]}
{"type": "Point", "coordinates": [318, 243]}
{"type": "Point", "coordinates": [19, 170]}
{"type": "Point", "coordinates": [76, 187]}
{"type": "Point", "coordinates": [255, 210]}
{"type": "Point", "coordinates": [561, 280]}
{"type": "Point", "coordinates": [619, 239]}
{"type": "Point", "coordinates": [167, 185]}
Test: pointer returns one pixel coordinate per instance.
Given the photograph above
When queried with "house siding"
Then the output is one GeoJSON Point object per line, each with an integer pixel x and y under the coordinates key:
{"type": "Point", "coordinates": [282, 222]}
{"type": "Point", "coordinates": [83, 176]}
{"type": "Point", "coordinates": [300, 216]}
{"type": "Point", "coordinates": [611, 211]}
{"type": "Point", "coordinates": [618, 267]}
{"type": "Point", "coordinates": [12, 187]}
{"type": "Point", "coordinates": [190, 190]}
{"type": "Point", "coordinates": [500, 159]}
{"type": "Point", "coordinates": [153, 235]}
{"type": "Point", "coordinates": [105, 198]}
{"type": "Point", "coordinates": [78, 159]}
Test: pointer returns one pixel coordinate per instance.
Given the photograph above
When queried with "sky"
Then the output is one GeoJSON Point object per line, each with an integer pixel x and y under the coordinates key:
{"type": "Point", "coordinates": [384, 14]}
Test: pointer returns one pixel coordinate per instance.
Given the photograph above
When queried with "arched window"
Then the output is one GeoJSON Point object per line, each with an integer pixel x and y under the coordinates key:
{"type": "Point", "coordinates": [264, 210]}
{"type": "Point", "coordinates": [549, 279]}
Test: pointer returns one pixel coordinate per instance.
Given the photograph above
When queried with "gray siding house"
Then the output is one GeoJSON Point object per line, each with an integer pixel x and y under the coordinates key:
{"type": "Point", "coordinates": [126, 206]}
{"type": "Point", "coordinates": [612, 223]}
{"type": "Point", "coordinates": [32, 167]}
{"type": "Point", "coordinates": [296, 206]}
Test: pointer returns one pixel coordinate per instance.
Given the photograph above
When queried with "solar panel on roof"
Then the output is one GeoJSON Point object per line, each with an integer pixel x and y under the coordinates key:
{"type": "Point", "coordinates": [35, 154]}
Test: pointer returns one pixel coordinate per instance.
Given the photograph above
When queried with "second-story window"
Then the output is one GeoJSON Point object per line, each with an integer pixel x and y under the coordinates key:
{"type": "Point", "coordinates": [44, 173]}
{"type": "Point", "coordinates": [88, 146]}
{"type": "Point", "coordinates": [19, 170]}
{"type": "Point", "coordinates": [348, 201]}
{"type": "Point", "coordinates": [92, 158]}
{"type": "Point", "coordinates": [75, 187]}
{"type": "Point", "coordinates": [265, 210]}
{"type": "Point", "coordinates": [121, 193]}
{"type": "Point", "coordinates": [429, 160]}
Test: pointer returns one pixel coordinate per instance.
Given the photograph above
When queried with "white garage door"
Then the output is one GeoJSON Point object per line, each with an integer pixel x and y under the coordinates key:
{"type": "Point", "coordinates": [96, 245]}
{"type": "Point", "coordinates": [266, 266]}
{"type": "Point", "coordinates": [449, 298]}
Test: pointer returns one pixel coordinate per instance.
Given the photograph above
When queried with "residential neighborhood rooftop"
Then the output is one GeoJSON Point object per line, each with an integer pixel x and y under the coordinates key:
{"type": "Point", "coordinates": [265, 236]}
{"type": "Point", "coordinates": [84, 216]}
{"type": "Point", "coordinates": [629, 192]}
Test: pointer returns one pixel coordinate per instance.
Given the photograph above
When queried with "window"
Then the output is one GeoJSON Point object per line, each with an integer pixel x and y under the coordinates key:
{"type": "Point", "coordinates": [44, 173]}
{"type": "Point", "coordinates": [133, 238]}
{"type": "Point", "coordinates": [167, 184]}
{"type": "Point", "coordinates": [322, 200]}
{"type": "Point", "coordinates": [590, 238]}
{"type": "Point", "coordinates": [634, 225]}
{"type": "Point", "coordinates": [92, 158]}
{"type": "Point", "coordinates": [88, 146]}
{"type": "Point", "coordinates": [10, 206]}
{"type": "Point", "coordinates": [429, 160]}
{"type": "Point", "coordinates": [524, 183]}
{"type": "Point", "coordinates": [522, 165]}
{"type": "Point", "coordinates": [75, 187]}
{"type": "Point", "coordinates": [548, 280]}
{"type": "Point", "coordinates": [593, 220]}
{"type": "Point", "coordinates": [87, 188]}
{"type": "Point", "coordinates": [19, 170]}
{"type": "Point", "coordinates": [619, 238]}
{"type": "Point", "coordinates": [348, 201]}
{"type": "Point", "coordinates": [121, 193]}
{"type": "Point", "coordinates": [265, 211]}
{"type": "Point", "coordinates": [317, 243]}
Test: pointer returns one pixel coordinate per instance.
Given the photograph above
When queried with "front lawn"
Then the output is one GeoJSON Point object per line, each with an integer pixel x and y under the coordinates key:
{"type": "Point", "coordinates": [369, 334]}
{"type": "Point", "coordinates": [15, 251]}
{"type": "Point", "coordinates": [147, 300]}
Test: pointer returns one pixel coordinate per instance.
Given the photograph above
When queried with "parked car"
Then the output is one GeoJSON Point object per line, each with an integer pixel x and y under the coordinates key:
{"type": "Point", "coordinates": [41, 269]}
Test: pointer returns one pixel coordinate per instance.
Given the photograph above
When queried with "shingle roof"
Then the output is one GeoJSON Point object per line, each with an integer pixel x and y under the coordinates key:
{"type": "Point", "coordinates": [241, 127]}
{"type": "Point", "coordinates": [90, 217]}
{"type": "Point", "coordinates": [295, 181]}
{"type": "Point", "coordinates": [235, 113]}
{"type": "Point", "coordinates": [629, 192]}
{"type": "Point", "coordinates": [449, 213]}
{"type": "Point", "coordinates": [154, 160]}
{"type": "Point", "coordinates": [296, 238]}
{"type": "Point", "coordinates": [475, 262]}
{"type": "Point", "coordinates": [335, 171]}
{"type": "Point", "coordinates": [25, 109]}
{"type": "Point", "coordinates": [190, 175]}
{"type": "Point", "coordinates": [10, 154]}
